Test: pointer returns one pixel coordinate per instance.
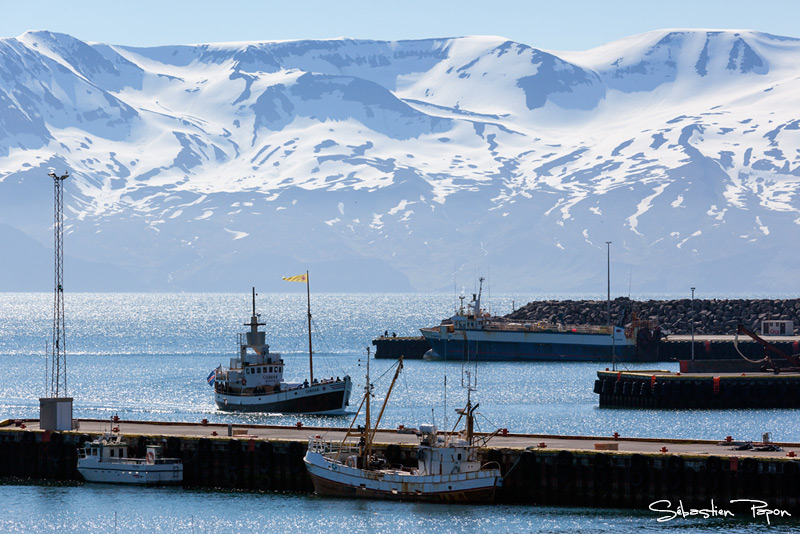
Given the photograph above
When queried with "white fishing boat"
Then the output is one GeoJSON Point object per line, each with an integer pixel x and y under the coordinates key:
{"type": "Point", "coordinates": [253, 382]}
{"type": "Point", "coordinates": [448, 470]}
{"type": "Point", "coordinates": [106, 460]}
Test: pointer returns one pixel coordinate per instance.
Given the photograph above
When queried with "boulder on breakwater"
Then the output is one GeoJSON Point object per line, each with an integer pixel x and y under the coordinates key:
{"type": "Point", "coordinates": [711, 316]}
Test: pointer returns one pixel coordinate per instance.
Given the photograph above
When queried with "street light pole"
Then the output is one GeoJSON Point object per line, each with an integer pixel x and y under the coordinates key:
{"type": "Point", "coordinates": [692, 324]}
{"type": "Point", "coordinates": [608, 308]}
{"type": "Point", "coordinates": [608, 271]}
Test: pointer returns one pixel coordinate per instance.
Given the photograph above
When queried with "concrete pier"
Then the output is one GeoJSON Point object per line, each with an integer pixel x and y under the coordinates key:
{"type": "Point", "coordinates": [663, 389]}
{"type": "Point", "coordinates": [411, 348]}
{"type": "Point", "coordinates": [604, 471]}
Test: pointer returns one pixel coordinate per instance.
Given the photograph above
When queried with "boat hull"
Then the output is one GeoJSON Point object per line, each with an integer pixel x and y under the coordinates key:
{"type": "Point", "coordinates": [483, 345]}
{"type": "Point", "coordinates": [329, 398]}
{"type": "Point", "coordinates": [338, 480]}
{"type": "Point", "coordinates": [141, 474]}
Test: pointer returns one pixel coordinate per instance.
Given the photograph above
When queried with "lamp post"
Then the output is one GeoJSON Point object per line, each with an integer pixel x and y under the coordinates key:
{"type": "Point", "coordinates": [608, 271]}
{"type": "Point", "coordinates": [692, 324]}
{"type": "Point", "coordinates": [608, 307]}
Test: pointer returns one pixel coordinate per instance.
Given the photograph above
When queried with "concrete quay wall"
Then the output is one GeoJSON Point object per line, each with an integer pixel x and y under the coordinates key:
{"type": "Point", "coordinates": [664, 390]}
{"type": "Point", "coordinates": [546, 473]}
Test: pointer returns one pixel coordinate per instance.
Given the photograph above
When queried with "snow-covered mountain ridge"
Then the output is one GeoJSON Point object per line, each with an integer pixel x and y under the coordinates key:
{"type": "Point", "coordinates": [394, 165]}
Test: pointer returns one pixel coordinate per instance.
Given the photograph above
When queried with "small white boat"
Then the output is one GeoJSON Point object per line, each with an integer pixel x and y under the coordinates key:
{"type": "Point", "coordinates": [106, 460]}
{"type": "Point", "coordinates": [448, 467]}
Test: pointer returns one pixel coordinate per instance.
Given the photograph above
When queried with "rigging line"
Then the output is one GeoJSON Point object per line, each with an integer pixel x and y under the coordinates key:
{"type": "Point", "coordinates": [329, 354]}
{"type": "Point", "coordinates": [736, 346]}
{"type": "Point", "coordinates": [411, 405]}
{"type": "Point", "coordinates": [377, 380]}
{"type": "Point", "coordinates": [492, 423]}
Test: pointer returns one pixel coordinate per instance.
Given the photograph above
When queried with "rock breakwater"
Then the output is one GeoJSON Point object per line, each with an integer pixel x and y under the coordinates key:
{"type": "Point", "coordinates": [711, 316]}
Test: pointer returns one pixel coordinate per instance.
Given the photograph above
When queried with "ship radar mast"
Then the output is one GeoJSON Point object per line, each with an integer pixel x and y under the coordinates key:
{"type": "Point", "coordinates": [254, 322]}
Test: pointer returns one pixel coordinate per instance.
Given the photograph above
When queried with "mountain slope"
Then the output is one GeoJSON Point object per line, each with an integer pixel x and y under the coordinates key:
{"type": "Point", "coordinates": [405, 165]}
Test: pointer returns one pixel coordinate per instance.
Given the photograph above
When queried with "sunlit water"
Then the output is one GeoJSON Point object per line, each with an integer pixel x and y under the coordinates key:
{"type": "Point", "coordinates": [146, 357]}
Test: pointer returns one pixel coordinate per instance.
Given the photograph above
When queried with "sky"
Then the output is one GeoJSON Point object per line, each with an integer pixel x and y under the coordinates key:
{"type": "Point", "coordinates": [551, 25]}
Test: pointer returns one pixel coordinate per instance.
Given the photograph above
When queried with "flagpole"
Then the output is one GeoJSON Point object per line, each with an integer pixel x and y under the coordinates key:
{"type": "Point", "coordinates": [310, 357]}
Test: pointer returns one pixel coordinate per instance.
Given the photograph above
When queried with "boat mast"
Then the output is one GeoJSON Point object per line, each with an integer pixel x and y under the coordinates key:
{"type": "Point", "coordinates": [367, 394]}
{"type": "Point", "coordinates": [391, 387]}
{"type": "Point", "coordinates": [471, 385]}
{"type": "Point", "coordinates": [310, 357]}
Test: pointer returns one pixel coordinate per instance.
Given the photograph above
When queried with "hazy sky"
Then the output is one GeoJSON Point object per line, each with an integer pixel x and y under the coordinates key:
{"type": "Point", "coordinates": [553, 24]}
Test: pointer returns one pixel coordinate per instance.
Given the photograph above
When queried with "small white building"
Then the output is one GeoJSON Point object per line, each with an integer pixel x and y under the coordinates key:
{"type": "Point", "coordinates": [777, 328]}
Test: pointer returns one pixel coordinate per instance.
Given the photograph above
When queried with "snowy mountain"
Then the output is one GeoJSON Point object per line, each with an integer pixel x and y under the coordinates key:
{"type": "Point", "coordinates": [404, 165]}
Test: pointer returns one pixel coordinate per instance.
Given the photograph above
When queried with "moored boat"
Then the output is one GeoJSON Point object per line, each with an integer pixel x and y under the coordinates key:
{"type": "Point", "coordinates": [448, 466]}
{"type": "Point", "coordinates": [253, 382]}
{"type": "Point", "coordinates": [474, 332]}
{"type": "Point", "coordinates": [106, 460]}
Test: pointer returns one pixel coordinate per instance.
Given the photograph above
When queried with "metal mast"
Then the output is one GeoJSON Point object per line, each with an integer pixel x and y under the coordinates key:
{"type": "Point", "coordinates": [58, 377]}
{"type": "Point", "coordinates": [310, 352]}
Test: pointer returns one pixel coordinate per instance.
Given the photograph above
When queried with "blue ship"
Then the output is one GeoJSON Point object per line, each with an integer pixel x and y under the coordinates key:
{"type": "Point", "coordinates": [474, 335]}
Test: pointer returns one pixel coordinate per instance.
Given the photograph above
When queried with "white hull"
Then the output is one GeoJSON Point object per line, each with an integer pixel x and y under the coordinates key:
{"type": "Point", "coordinates": [127, 472]}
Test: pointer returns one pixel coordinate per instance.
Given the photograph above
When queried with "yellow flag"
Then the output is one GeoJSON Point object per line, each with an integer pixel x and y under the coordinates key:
{"type": "Point", "coordinates": [298, 278]}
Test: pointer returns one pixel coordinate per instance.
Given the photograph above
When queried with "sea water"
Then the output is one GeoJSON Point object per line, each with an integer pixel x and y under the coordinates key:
{"type": "Point", "coordinates": [147, 356]}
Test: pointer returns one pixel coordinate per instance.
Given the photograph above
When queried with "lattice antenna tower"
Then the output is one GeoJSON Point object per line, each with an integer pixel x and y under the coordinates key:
{"type": "Point", "coordinates": [58, 367]}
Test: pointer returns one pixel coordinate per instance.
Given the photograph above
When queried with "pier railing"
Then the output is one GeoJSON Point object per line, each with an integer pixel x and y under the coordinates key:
{"type": "Point", "coordinates": [327, 446]}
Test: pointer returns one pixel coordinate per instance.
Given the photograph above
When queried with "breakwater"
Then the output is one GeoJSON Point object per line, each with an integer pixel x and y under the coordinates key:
{"type": "Point", "coordinates": [552, 470]}
{"type": "Point", "coordinates": [711, 316]}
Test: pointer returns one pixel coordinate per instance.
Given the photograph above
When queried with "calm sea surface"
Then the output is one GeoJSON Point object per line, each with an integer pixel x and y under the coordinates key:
{"type": "Point", "coordinates": [146, 356]}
